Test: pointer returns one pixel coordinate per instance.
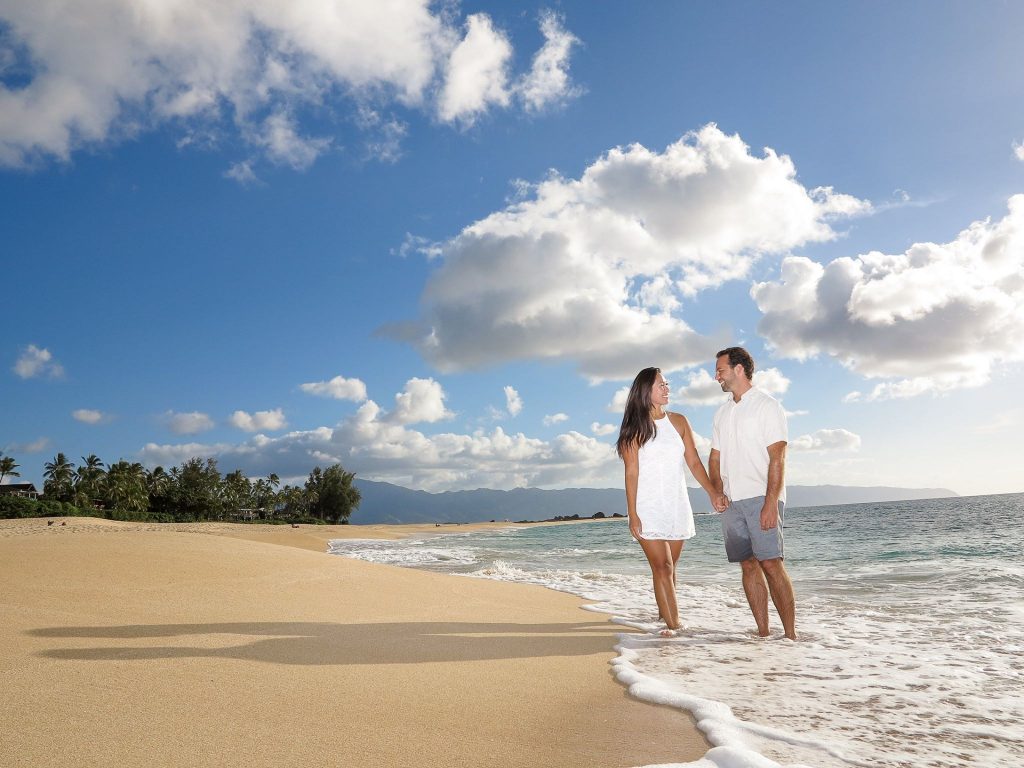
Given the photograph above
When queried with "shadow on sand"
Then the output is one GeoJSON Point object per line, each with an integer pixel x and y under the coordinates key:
{"type": "Point", "coordinates": [321, 643]}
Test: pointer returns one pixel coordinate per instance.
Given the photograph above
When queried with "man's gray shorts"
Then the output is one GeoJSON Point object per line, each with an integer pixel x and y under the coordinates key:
{"type": "Point", "coordinates": [744, 539]}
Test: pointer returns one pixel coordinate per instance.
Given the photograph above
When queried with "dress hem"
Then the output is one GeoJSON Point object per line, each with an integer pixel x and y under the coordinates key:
{"type": "Point", "coordinates": [662, 537]}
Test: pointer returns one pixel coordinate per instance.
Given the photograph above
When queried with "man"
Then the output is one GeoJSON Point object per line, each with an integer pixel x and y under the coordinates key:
{"type": "Point", "coordinates": [747, 462]}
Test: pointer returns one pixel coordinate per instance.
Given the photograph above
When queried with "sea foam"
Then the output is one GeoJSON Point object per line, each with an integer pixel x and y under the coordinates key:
{"type": "Point", "coordinates": [909, 615]}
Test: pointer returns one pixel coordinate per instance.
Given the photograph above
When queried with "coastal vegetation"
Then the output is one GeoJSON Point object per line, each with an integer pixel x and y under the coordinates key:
{"type": "Point", "coordinates": [193, 491]}
{"type": "Point", "coordinates": [8, 467]}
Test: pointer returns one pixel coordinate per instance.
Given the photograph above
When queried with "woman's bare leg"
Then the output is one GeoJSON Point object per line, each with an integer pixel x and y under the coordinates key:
{"type": "Point", "coordinates": [659, 555]}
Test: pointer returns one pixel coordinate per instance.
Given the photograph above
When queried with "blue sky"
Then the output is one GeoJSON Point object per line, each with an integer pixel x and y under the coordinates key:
{"type": "Point", "coordinates": [434, 242]}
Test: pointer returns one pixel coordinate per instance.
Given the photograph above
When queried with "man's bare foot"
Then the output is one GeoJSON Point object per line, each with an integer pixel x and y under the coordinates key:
{"type": "Point", "coordinates": [668, 632]}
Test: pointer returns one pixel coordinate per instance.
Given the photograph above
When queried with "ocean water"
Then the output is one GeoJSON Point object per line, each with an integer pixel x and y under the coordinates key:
{"type": "Point", "coordinates": [910, 616]}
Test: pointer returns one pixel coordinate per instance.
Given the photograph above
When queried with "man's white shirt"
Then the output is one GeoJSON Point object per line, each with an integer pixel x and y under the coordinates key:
{"type": "Point", "coordinates": [742, 433]}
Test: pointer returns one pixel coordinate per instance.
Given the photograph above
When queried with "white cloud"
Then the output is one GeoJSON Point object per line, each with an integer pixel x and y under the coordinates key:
{"type": "Point", "coordinates": [658, 295]}
{"type": "Point", "coordinates": [1006, 421]}
{"type": "Point", "coordinates": [513, 402]}
{"type": "Point", "coordinates": [422, 400]}
{"type": "Point", "coordinates": [89, 416]}
{"type": "Point", "coordinates": [338, 388]}
{"type": "Point", "coordinates": [385, 135]}
{"type": "Point", "coordinates": [574, 271]}
{"type": "Point", "coordinates": [548, 81]}
{"type": "Point", "coordinates": [378, 448]}
{"type": "Point", "coordinates": [702, 444]}
{"type": "Point", "coordinates": [383, 446]}
{"type": "Point", "coordinates": [934, 318]}
{"type": "Point", "coordinates": [243, 173]}
{"type": "Point", "coordinates": [261, 421]}
{"type": "Point", "coordinates": [153, 454]}
{"type": "Point", "coordinates": [555, 418]}
{"type": "Point", "coordinates": [477, 72]}
{"type": "Point", "coordinates": [36, 446]}
{"type": "Point", "coordinates": [284, 146]}
{"type": "Point", "coordinates": [110, 69]}
{"type": "Point", "coordinates": [771, 380]}
{"type": "Point", "coordinates": [700, 389]}
{"type": "Point", "coordinates": [35, 361]}
{"type": "Point", "coordinates": [188, 423]}
{"type": "Point", "coordinates": [603, 429]}
{"type": "Point", "coordinates": [618, 403]}
{"type": "Point", "coordinates": [903, 389]}
{"type": "Point", "coordinates": [1018, 150]}
{"type": "Point", "coordinates": [827, 440]}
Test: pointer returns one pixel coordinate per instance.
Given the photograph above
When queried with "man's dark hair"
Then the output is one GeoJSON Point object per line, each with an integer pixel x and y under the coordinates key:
{"type": "Point", "coordinates": [739, 356]}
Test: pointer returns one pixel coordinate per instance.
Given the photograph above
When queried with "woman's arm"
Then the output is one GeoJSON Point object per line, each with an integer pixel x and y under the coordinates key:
{"type": "Point", "coordinates": [631, 460]}
{"type": "Point", "coordinates": [693, 461]}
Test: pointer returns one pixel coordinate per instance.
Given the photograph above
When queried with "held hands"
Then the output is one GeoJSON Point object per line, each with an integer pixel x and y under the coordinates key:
{"type": "Point", "coordinates": [719, 501]}
{"type": "Point", "coordinates": [636, 528]}
{"type": "Point", "coordinates": [769, 515]}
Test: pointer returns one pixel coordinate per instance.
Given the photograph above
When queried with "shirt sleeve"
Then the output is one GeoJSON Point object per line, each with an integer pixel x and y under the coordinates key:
{"type": "Point", "coordinates": [775, 428]}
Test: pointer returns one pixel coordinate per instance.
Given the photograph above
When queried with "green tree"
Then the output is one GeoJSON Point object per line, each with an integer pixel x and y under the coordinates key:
{"type": "Point", "coordinates": [124, 489]}
{"type": "Point", "coordinates": [158, 485]}
{"type": "Point", "coordinates": [294, 500]}
{"type": "Point", "coordinates": [236, 491]}
{"type": "Point", "coordinates": [8, 467]}
{"type": "Point", "coordinates": [335, 495]}
{"type": "Point", "coordinates": [265, 496]}
{"type": "Point", "coordinates": [88, 481]}
{"type": "Point", "coordinates": [59, 482]}
{"type": "Point", "coordinates": [196, 490]}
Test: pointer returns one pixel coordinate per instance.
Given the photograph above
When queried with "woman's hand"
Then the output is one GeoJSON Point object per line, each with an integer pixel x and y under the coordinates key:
{"type": "Point", "coordinates": [636, 527]}
{"type": "Point", "coordinates": [719, 501]}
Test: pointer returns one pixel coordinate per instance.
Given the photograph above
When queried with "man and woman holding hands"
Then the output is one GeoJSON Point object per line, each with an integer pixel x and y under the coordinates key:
{"type": "Point", "coordinates": [745, 482]}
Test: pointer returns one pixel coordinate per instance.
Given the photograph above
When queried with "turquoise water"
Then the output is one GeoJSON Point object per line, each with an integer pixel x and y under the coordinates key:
{"type": "Point", "coordinates": [911, 616]}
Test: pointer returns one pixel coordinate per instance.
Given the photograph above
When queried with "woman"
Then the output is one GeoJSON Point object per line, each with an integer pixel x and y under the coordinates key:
{"type": "Point", "coordinates": [653, 444]}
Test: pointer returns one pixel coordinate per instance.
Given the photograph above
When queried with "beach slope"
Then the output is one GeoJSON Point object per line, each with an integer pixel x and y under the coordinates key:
{"type": "Point", "coordinates": [142, 645]}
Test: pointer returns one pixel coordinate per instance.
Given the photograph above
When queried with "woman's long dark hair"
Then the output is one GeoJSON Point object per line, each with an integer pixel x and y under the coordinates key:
{"type": "Point", "coordinates": [637, 425]}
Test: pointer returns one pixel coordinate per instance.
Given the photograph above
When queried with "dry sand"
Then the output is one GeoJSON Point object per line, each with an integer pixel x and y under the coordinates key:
{"type": "Point", "coordinates": [155, 645]}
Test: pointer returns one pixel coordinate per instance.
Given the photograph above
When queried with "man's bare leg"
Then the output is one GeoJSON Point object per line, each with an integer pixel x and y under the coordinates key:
{"type": "Point", "coordinates": [781, 589]}
{"type": "Point", "coordinates": [756, 589]}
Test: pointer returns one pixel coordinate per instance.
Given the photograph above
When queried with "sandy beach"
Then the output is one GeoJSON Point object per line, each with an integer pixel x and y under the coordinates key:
{"type": "Point", "coordinates": [220, 645]}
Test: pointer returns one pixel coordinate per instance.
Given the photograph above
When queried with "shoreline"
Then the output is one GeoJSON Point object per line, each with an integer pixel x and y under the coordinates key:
{"type": "Point", "coordinates": [145, 644]}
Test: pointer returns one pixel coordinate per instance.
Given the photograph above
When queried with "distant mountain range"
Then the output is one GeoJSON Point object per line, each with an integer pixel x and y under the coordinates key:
{"type": "Point", "coordinates": [387, 503]}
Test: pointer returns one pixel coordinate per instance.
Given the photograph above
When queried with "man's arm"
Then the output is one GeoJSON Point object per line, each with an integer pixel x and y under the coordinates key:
{"type": "Point", "coordinates": [776, 477]}
{"type": "Point", "coordinates": [715, 475]}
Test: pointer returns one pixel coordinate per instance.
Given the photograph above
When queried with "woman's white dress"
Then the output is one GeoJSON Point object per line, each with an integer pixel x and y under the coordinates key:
{"type": "Point", "coordinates": [662, 503]}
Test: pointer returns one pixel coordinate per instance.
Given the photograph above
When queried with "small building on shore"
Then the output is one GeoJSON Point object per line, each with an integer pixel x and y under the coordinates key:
{"type": "Point", "coordinates": [23, 490]}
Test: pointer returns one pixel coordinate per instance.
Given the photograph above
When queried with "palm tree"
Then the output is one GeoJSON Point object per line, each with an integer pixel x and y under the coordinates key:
{"type": "Point", "coordinates": [157, 481]}
{"type": "Point", "coordinates": [88, 481]}
{"type": "Point", "coordinates": [159, 486]}
{"type": "Point", "coordinates": [293, 499]}
{"type": "Point", "coordinates": [58, 474]}
{"type": "Point", "coordinates": [125, 487]}
{"type": "Point", "coordinates": [93, 462]}
{"type": "Point", "coordinates": [8, 467]}
{"type": "Point", "coordinates": [236, 491]}
{"type": "Point", "coordinates": [264, 498]}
